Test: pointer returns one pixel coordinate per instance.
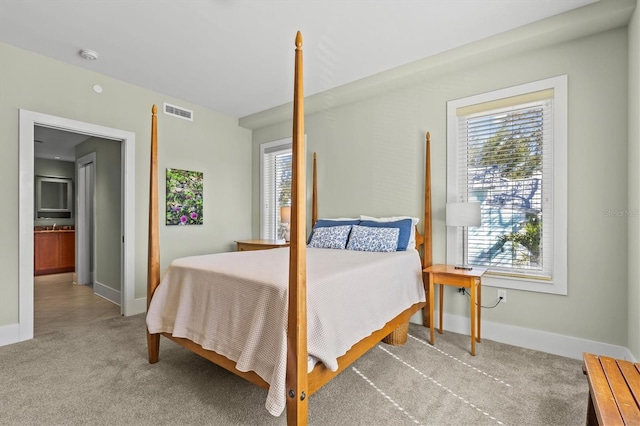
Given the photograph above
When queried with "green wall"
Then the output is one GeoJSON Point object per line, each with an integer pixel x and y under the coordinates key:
{"type": "Point", "coordinates": [371, 155]}
{"type": "Point", "coordinates": [213, 144]}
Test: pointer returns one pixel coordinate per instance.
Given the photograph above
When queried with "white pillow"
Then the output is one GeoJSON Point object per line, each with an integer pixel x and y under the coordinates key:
{"type": "Point", "coordinates": [414, 222]}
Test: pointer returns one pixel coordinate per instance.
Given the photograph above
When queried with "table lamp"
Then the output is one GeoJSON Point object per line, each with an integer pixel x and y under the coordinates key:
{"type": "Point", "coordinates": [463, 214]}
{"type": "Point", "coordinates": [285, 219]}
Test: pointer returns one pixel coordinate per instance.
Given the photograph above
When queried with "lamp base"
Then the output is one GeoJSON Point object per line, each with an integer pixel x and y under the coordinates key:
{"type": "Point", "coordinates": [464, 267]}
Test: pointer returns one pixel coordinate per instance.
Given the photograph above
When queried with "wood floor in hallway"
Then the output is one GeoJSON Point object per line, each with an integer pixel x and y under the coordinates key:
{"type": "Point", "coordinates": [59, 303]}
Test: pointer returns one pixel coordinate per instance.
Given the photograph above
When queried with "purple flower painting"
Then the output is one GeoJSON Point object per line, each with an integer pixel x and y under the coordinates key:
{"type": "Point", "coordinates": [184, 197]}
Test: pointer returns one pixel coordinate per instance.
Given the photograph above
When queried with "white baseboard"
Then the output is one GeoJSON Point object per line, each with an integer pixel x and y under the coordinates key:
{"type": "Point", "coordinates": [9, 334]}
{"type": "Point", "coordinates": [557, 344]}
{"type": "Point", "coordinates": [139, 306]}
{"type": "Point", "coordinates": [106, 292]}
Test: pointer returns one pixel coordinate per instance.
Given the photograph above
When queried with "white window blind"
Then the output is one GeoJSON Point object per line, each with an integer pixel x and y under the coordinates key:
{"type": "Point", "coordinates": [507, 149]}
{"type": "Point", "coordinates": [275, 186]}
{"type": "Point", "coordinates": [504, 161]}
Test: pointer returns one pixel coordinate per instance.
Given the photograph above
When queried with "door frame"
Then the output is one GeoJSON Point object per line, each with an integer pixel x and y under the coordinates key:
{"type": "Point", "coordinates": [28, 120]}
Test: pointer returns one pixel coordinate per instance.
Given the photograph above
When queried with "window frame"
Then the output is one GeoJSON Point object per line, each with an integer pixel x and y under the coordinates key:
{"type": "Point", "coordinates": [557, 284]}
{"type": "Point", "coordinates": [272, 146]}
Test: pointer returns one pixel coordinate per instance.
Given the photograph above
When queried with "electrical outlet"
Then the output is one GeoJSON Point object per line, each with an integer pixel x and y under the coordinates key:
{"type": "Point", "coordinates": [503, 294]}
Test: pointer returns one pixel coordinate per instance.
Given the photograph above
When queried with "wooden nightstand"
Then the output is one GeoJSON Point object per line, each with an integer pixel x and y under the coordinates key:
{"type": "Point", "coordinates": [260, 244]}
{"type": "Point", "coordinates": [449, 275]}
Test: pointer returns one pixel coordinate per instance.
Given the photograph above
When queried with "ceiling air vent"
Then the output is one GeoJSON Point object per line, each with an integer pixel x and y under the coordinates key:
{"type": "Point", "coordinates": [178, 112]}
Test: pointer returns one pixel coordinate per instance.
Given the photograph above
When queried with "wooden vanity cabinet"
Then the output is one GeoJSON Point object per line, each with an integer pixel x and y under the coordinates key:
{"type": "Point", "coordinates": [67, 251]}
{"type": "Point", "coordinates": [54, 252]}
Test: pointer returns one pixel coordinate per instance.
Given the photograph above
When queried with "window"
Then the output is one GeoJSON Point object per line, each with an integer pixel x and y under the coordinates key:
{"type": "Point", "coordinates": [508, 150]}
{"type": "Point", "coordinates": [275, 165]}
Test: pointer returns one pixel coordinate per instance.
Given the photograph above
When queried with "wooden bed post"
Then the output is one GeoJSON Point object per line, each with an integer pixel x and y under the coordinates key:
{"type": "Point", "coordinates": [297, 380]}
{"type": "Point", "coordinates": [427, 257]}
{"type": "Point", "coordinates": [153, 261]}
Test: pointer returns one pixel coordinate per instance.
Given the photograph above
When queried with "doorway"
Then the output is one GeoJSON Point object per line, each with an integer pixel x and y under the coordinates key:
{"type": "Point", "coordinates": [28, 121]}
{"type": "Point", "coordinates": [59, 303]}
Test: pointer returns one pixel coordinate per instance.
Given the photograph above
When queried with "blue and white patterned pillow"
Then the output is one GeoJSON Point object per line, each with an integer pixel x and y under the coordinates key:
{"type": "Point", "coordinates": [333, 237]}
{"type": "Point", "coordinates": [404, 225]}
{"type": "Point", "coordinates": [366, 238]}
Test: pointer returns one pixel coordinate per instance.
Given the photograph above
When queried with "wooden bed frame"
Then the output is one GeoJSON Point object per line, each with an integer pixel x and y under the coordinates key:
{"type": "Point", "coordinates": [300, 384]}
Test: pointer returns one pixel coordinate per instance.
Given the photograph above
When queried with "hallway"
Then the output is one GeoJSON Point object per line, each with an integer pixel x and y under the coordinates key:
{"type": "Point", "coordinates": [59, 303]}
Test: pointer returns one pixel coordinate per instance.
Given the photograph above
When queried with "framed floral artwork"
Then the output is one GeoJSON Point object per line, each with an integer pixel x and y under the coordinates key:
{"type": "Point", "coordinates": [184, 197]}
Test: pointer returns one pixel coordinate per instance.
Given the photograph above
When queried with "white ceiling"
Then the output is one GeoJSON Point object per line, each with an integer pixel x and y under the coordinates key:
{"type": "Point", "coordinates": [56, 144]}
{"type": "Point", "coordinates": [236, 56]}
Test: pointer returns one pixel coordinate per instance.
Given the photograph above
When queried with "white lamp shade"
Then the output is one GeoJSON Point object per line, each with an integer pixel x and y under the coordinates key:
{"type": "Point", "coordinates": [285, 214]}
{"type": "Point", "coordinates": [463, 214]}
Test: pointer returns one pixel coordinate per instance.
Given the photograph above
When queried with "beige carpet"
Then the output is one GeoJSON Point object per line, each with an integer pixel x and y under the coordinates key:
{"type": "Point", "coordinates": [98, 374]}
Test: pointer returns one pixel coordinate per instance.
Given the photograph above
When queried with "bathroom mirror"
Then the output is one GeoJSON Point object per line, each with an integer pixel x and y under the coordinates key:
{"type": "Point", "coordinates": [54, 197]}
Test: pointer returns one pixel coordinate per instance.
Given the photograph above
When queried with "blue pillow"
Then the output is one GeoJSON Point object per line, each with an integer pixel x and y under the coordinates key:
{"type": "Point", "coordinates": [404, 225]}
{"type": "Point", "coordinates": [368, 238]}
{"type": "Point", "coordinates": [323, 223]}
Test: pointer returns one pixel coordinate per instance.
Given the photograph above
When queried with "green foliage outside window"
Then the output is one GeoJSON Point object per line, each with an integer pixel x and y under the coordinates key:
{"type": "Point", "coordinates": [285, 175]}
{"type": "Point", "coordinates": [528, 237]}
{"type": "Point", "coordinates": [517, 152]}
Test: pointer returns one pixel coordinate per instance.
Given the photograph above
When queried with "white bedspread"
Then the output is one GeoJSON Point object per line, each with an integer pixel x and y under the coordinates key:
{"type": "Point", "coordinates": [236, 305]}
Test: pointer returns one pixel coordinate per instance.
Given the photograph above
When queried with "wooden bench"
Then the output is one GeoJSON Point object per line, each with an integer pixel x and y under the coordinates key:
{"type": "Point", "coordinates": [614, 391]}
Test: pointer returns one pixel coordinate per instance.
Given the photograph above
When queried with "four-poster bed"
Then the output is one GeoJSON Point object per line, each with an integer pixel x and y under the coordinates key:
{"type": "Point", "coordinates": [301, 378]}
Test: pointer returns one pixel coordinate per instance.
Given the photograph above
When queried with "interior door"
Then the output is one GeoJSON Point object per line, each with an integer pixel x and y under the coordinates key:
{"type": "Point", "coordinates": [85, 264]}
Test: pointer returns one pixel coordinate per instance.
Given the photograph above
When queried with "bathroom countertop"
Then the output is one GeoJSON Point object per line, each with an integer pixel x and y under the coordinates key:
{"type": "Point", "coordinates": [46, 229]}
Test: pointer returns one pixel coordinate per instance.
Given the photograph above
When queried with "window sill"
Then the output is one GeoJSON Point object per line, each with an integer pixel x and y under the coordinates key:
{"type": "Point", "coordinates": [548, 286]}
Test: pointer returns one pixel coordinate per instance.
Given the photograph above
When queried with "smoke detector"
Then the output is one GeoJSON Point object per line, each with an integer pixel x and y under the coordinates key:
{"type": "Point", "coordinates": [88, 54]}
